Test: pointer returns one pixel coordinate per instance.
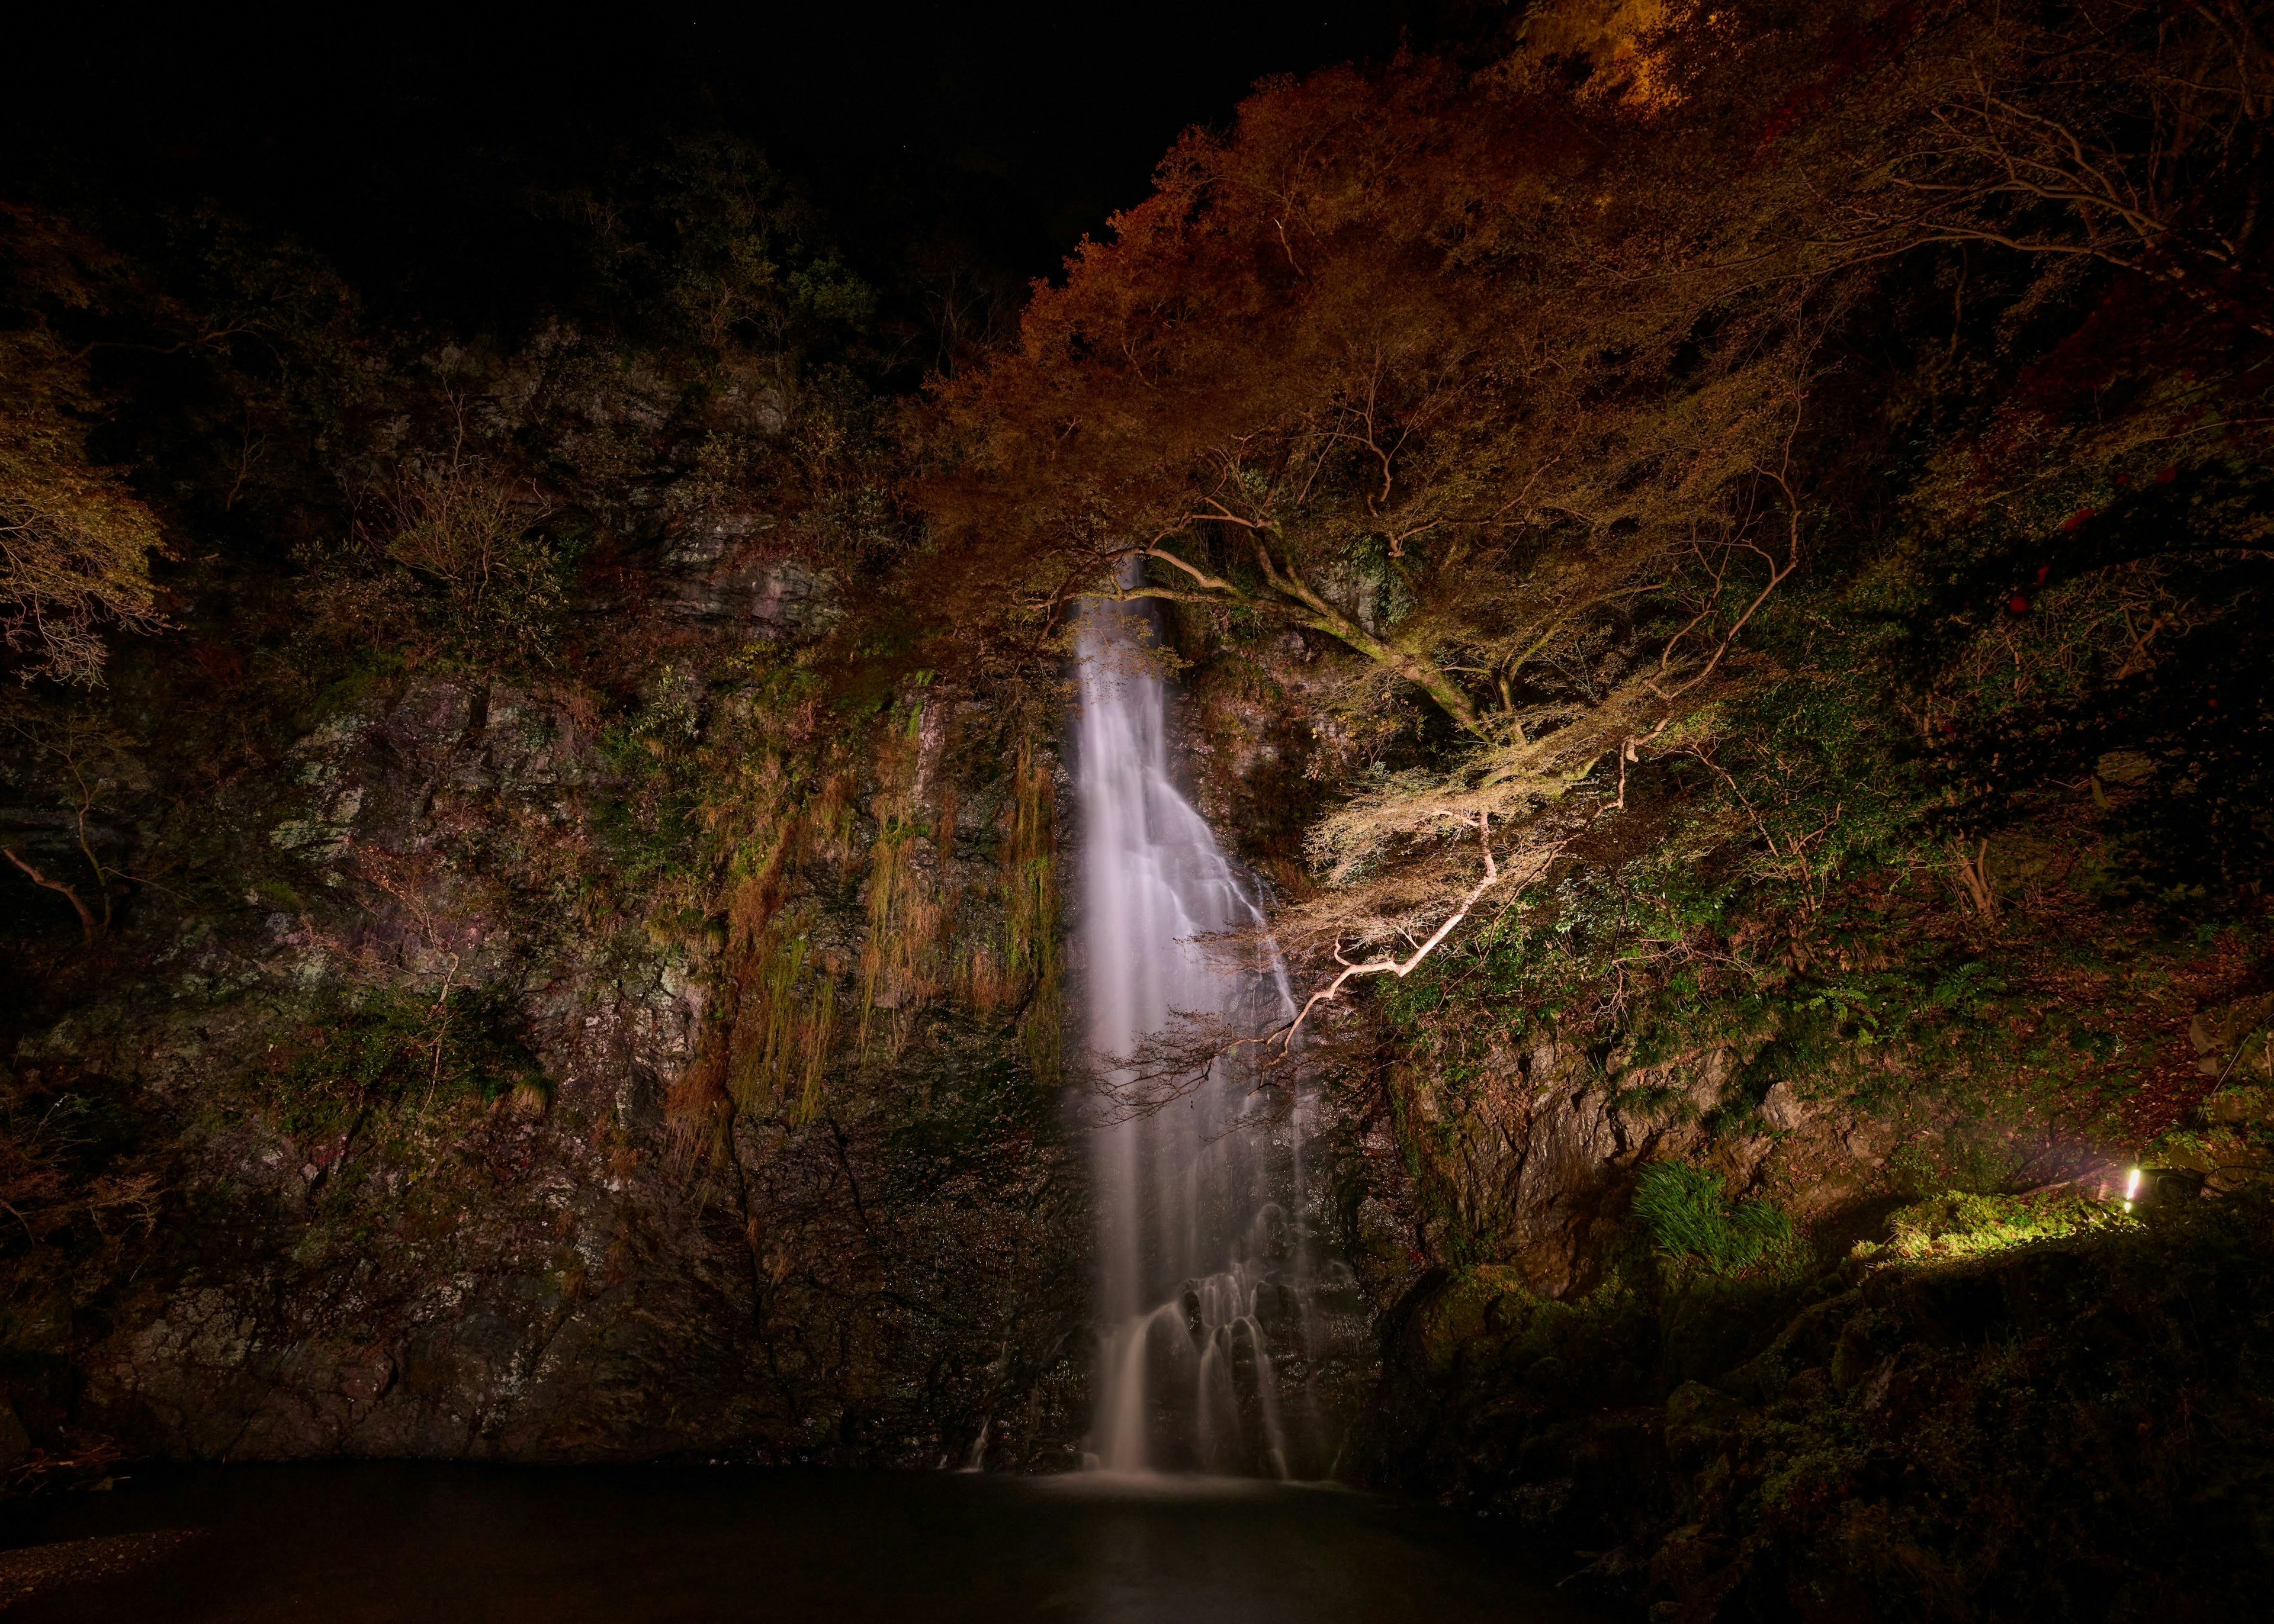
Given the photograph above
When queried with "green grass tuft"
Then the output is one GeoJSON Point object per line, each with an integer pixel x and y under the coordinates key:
{"type": "Point", "coordinates": [1690, 1217]}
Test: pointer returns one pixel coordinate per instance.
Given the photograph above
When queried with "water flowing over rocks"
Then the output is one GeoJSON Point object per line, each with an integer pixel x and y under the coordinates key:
{"type": "Point", "coordinates": [1217, 1294]}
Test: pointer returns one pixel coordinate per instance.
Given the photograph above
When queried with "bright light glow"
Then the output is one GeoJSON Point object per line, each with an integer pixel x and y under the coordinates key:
{"type": "Point", "coordinates": [2132, 1184]}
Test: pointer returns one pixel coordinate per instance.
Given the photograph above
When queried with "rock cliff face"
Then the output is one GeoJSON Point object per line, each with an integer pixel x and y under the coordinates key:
{"type": "Point", "coordinates": [371, 1258]}
{"type": "Point", "coordinates": [648, 1048]}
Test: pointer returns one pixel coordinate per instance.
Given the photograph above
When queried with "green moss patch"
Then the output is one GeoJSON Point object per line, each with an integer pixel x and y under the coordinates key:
{"type": "Point", "coordinates": [1958, 1224]}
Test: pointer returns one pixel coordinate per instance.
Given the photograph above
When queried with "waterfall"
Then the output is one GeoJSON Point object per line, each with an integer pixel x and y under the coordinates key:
{"type": "Point", "coordinates": [1205, 1278]}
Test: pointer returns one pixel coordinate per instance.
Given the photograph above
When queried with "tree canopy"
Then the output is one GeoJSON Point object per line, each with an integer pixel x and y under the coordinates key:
{"type": "Point", "coordinates": [1528, 383]}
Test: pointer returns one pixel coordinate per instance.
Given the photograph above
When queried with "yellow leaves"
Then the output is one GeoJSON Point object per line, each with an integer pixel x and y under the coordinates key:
{"type": "Point", "coordinates": [75, 542]}
{"type": "Point", "coordinates": [902, 962]}
{"type": "Point", "coordinates": [828, 826]}
{"type": "Point", "coordinates": [1623, 43]}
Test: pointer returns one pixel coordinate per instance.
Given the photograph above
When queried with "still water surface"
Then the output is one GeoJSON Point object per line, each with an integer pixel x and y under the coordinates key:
{"type": "Point", "coordinates": [347, 1543]}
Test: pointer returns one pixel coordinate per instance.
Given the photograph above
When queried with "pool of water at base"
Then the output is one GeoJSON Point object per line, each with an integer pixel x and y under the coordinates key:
{"type": "Point", "coordinates": [349, 1543]}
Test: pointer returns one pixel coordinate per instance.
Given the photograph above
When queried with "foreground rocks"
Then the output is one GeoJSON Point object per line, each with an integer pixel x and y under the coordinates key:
{"type": "Point", "coordinates": [2078, 1427]}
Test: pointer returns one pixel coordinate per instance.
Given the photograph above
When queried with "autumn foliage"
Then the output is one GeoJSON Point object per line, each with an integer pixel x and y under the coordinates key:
{"type": "Point", "coordinates": [75, 541]}
{"type": "Point", "coordinates": [1529, 384]}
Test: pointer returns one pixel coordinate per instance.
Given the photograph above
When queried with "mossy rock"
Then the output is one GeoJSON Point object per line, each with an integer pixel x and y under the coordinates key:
{"type": "Point", "coordinates": [1699, 1419]}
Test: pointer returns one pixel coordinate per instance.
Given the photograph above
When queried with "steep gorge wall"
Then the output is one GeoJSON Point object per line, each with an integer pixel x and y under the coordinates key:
{"type": "Point", "coordinates": [659, 1059]}
{"type": "Point", "coordinates": [554, 1273]}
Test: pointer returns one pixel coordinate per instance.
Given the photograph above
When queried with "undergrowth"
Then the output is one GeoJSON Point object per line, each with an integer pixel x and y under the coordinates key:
{"type": "Point", "coordinates": [396, 1050]}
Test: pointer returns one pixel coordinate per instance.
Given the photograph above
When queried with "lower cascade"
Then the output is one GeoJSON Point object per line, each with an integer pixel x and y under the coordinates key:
{"type": "Point", "coordinates": [1210, 1278]}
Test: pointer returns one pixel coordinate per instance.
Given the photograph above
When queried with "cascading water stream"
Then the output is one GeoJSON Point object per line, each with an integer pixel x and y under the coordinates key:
{"type": "Point", "coordinates": [1205, 1277]}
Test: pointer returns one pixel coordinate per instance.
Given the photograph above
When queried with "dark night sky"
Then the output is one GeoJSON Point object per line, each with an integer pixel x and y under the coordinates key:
{"type": "Point", "coordinates": [399, 142]}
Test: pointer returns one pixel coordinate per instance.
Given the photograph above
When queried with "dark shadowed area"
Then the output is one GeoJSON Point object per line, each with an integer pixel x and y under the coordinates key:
{"type": "Point", "coordinates": [359, 1543]}
{"type": "Point", "coordinates": [405, 142]}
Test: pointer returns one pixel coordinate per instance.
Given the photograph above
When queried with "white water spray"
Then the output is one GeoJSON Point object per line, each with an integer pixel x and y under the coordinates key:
{"type": "Point", "coordinates": [1204, 1277]}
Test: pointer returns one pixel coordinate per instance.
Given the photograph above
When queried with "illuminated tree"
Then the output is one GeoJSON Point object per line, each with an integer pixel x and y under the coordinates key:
{"type": "Point", "coordinates": [75, 542]}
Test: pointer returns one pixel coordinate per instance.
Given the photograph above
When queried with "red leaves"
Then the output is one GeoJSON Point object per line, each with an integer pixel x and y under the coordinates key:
{"type": "Point", "coordinates": [2164, 476]}
{"type": "Point", "coordinates": [2075, 520]}
{"type": "Point", "coordinates": [2018, 603]}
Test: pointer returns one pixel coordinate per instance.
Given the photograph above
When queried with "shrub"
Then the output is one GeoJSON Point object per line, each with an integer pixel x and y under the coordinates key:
{"type": "Point", "coordinates": [399, 1048]}
{"type": "Point", "coordinates": [454, 558]}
